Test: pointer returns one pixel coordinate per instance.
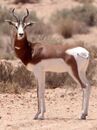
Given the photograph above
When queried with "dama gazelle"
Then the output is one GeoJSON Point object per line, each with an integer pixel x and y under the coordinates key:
{"type": "Point", "coordinates": [41, 58]}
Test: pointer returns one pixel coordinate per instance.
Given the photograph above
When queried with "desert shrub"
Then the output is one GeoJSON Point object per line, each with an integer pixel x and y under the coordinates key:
{"type": "Point", "coordinates": [14, 72]}
{"type": "Point", "coordinates": [40, 32]}
{"type": "Point", "coordinates": [76, 20]}
{"type": "Point", "coordinates": [93, 51]}
{"type": "Point", "coordinates": [4, 14]}
{"type": "Point", "coordinates": [85, 1]}
{"type": "Point", "coordinates": [26, 1]}
{"type": "Point", "coordinates": [65, 28]}
{"type": "Point", "coordinates": [11, 88]}
{"type": "Point", "coordinates": [86, 13]}
{"type": "Point", "coordinates": [54, 80]}
{"type": "Point", "coordinates": [68, 27]}
{"type": "Point", "coordinates": [40, 28]}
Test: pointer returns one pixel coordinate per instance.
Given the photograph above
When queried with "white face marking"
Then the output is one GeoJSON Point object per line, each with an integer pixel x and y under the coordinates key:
{"type": "Point", "coordinates": [20, 32]}
{"type": "Point", "coordinates": [18, 48]}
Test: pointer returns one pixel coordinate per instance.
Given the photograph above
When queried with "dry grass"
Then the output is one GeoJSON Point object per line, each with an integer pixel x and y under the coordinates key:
{"type": "Point", "coordinates": [68, 27]}
{"type": "Point", "coordinates": [15, 74]}
{"type": "Point", "coordinates": [11, 88]}
{"type": "Point", "coordinates": [86, 13]}
{"type": "Point", "coordinates": [40, 28]}
{"type": "Point", "coordinates": [26, 1]}
{"type": "Point", "coordinates": [75, 21]}
{"type": "Point", "coordinates": [85, 1]}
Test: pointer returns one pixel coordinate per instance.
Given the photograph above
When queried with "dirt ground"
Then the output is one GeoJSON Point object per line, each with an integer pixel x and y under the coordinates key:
{"type": "Point", "coordinates": [63, 108]}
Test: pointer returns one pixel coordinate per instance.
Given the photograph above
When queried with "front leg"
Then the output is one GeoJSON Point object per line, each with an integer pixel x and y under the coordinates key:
{"type": "Point", "coordinates": [40, 76]}
{"type": "Point", "coordinates": [85, 104]}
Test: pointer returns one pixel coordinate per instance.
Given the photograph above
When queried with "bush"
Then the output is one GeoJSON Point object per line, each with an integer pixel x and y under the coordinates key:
{"type": "Point", "coordinates": [14, 72]}
{"type": "Point", "coordinates": [76, 20]}
{"type": "Point", "coordinates": [85, 1]}
{"type": "Point", "coordinates": [40, 28]}
{"type": "Point", "coordinates": [40, 32]}
{"type": "Point", "coordinates": [86, 13]}
{"type": "Point", "coordinates": [68, 27]}
{"type": "Point", "coordinates": [26, 1]}
{"type": "Point", "coordinates": [4, 14]}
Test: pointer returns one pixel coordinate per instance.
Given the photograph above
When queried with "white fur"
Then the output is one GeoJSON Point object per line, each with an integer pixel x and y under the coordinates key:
{"type": "Point", "coordinates": [78, 51]}
{"type": "Point", "coordinates": [18, 48]}
{"type": "Point", "coordinates": [20, 31]}
{"type": "Point", "coordinates": [30, 67]}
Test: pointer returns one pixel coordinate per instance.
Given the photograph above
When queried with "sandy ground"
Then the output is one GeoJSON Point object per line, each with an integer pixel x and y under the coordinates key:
{"type": "Point", "coordinates": [63, 110]}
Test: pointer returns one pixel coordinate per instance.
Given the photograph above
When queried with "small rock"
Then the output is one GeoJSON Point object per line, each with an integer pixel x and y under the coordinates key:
{"type": "Point", "coordinates": [62, 95]}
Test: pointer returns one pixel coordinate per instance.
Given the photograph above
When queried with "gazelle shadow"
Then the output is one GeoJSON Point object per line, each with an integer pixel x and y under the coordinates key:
{"type": "Point", "coordinates": [68, 119]}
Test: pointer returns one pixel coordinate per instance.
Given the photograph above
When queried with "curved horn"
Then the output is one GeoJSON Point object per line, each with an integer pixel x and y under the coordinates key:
{"type": "Point", "coordinates": [24, 18]}
{"type": "Point", "coordinates": [15, 15]}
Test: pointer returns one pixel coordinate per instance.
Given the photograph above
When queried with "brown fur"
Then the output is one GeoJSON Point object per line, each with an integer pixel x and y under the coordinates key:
{"type": "Point", "coordinates": [70, 60]}
{"type": "Point", "coordinates": [35, 52]}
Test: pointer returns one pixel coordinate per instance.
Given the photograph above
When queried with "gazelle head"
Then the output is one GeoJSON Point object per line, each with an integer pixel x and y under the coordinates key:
{"type": "Point", "coordinates": [20, 25]}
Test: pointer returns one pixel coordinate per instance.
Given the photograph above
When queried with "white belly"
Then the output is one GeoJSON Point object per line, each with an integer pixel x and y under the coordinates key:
{"type": "Point", "coordinates": [54, 65]}
{"type": "Point", "coordinates": [50, 65]}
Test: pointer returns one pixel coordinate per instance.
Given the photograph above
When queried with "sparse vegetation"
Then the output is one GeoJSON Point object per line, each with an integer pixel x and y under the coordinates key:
{"type": "Point", "coordinates": [85, 1]}
{"type": "Point", "coordinates": [68, 27]}
{"type": "Point", "coordinates": [86, 13]}
{"type": "Point", "coordinates": [76, 20]}
{"type": "Point", "coordinates": [26, 1]}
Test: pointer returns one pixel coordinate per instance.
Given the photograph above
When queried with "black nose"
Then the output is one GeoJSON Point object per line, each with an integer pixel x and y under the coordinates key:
{"type": "Point", "coordinates": [21, 34]}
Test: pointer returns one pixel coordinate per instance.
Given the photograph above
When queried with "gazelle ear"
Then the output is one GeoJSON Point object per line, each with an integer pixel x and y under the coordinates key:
{"type": "Point", "coordinates": [29, 24]}
{"type": "Point", "coordinates": [11, 23]}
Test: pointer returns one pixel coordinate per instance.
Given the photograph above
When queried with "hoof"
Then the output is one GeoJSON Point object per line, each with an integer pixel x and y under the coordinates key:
{"type": "Point", "coordinates": [83, 117]}
{"type": "Point", "coordinates": [39, 117]}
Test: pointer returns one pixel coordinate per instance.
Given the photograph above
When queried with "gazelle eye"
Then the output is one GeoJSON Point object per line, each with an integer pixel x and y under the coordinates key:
{"type": "Point", "coordinates": [16, 25]}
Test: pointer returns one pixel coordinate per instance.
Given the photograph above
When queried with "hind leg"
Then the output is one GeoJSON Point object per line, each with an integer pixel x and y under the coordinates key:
{"type": "Point", "coordinates": [80, 78]}
{"type": "Point", "coordinates": [86, 95]}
